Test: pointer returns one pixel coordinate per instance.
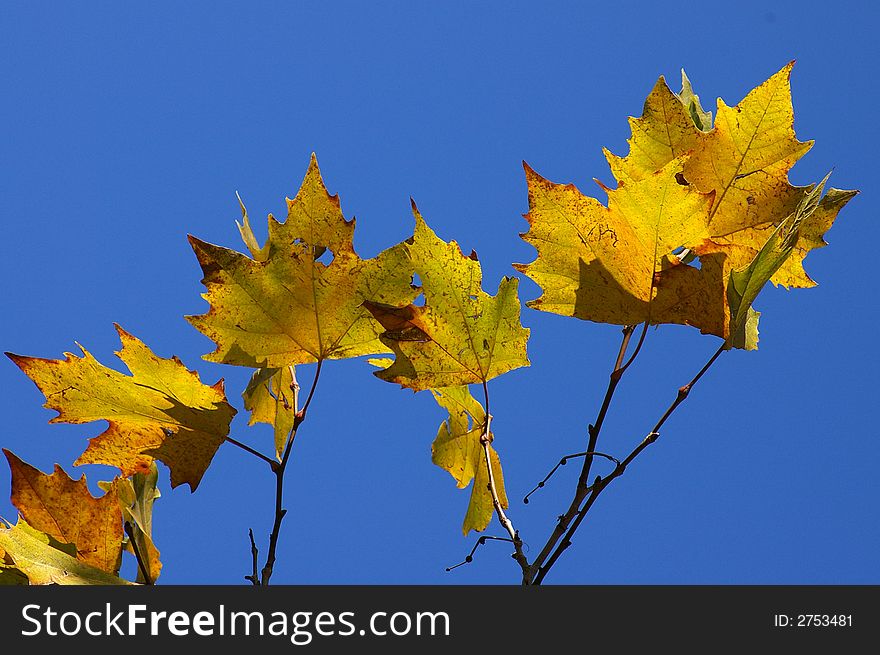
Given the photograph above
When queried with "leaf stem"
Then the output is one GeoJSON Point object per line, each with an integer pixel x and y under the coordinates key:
{"type": "Point", "coordinates": [485, 440]}
{"type": "Point", "coordinates": [600, 484]}
{"type": "Point", "coordinates": [279, 469]}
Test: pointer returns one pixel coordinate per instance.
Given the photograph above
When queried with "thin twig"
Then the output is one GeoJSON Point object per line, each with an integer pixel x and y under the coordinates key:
{"type": "Point", "coordinates": [255, 576]}
{"type": "Point", "coordinates": [600, 484]}
{"type": "Point", "coordinates": [563, 462]}
{"type": "Point", "coordinates": [279, 469]}
{"type": "Point", "coordinates": [470, 556]}
{"type": "Point", "coordinates": [485, 440]}
{"type": "Point", "coordinates": [137, 553]}
{"type": "Point", "coordinates": [594, 429]}
{"type": "Point", "coordinates": [247, 448]}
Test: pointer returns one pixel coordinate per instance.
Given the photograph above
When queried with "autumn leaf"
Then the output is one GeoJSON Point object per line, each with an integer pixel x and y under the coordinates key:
{"type": "Point", "coordinates": [745, 284]}
{"type": "Point", "coordinates": [161, 411]}
{"type": "Point", "coordinates": [136, 496]}
{"type": "Point", "coordinates": [616, 263]}
{"type": "Point", "coordinates": [65, 510]}
{"type": "Point", "coordinates": [743, 159]}
{"type": "Point", "coordinates": [271, 397]}
{"type": "Point", "coordinates": [461, 334]}
{"type": "Point", "coordinates": [34, 556]}
{"type": "Point", "coordinates": [286, 304]}
{"type": "Point", "coordinates": [458, 450]}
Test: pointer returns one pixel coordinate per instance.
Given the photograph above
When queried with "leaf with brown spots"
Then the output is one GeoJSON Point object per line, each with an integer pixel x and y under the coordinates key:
{"type": "Point", "coordinates": [161, 411]}
{"type": "Point", "coordinates": [64, 509]}
{"type": "Point", "coordinates": [36, 556]}
{"type": "Point", "coordinates": [461, 335]}
{"type": "Point", "coordinates": [616, 263]}
{"type": "Point", "coordinates": [286, 304]}
{"type": "Point", "coordinates": [743, 160]}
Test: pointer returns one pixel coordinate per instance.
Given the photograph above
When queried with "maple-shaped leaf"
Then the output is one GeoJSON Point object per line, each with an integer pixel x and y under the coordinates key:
{"type": "Point", "coordinates": [616, 263]}
{"type": "Point", "coordinates": [461, 334]}
{"type": "Point", "coordinates": [34, 556]}
{"type": "Point", "coordinates": [284, 304]}
{"type": "Point", "coordinates": [458, 449]}
{"type": "Point", "coordinates": [161, 411]}
{"type": "Point", "coordinates": [271, 397]}
{"type": "Point", "coordinates": [136, 496]}
{"type": "Point", "coordinates": [64, 509]}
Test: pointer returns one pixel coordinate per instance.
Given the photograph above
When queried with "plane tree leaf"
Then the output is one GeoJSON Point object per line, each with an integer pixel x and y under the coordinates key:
{"type": "Point", "coordinates": [458, 450]}
{"type": "Point", "coordinates": [298, 298]}
{"type": "Point", "coordinates": [65, 510]}
{"type": "Point", "coordinates": [271, 397]}
{"type": "Point", "coordinates": [35, 557]}
{"type": "Point", "coordinates": [461, 334]}
{"type": "Point", "coordinates": [742, 158]}
{"type": "Point", "coordinates": [616, 263]}
{"type": "Point", "coordinates": [745, 284]}
{"type": "Point", "coordinates": [136, 496]}
{"type": "Point", "coordinates": [161, 411]}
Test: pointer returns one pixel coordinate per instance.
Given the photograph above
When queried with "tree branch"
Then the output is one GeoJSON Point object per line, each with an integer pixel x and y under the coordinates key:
{"type": "Point", "coordinates": [255, 576]}
{"type": "Point", "coordinates": [600, 484]}
{"type": "Point", "coordinates": [247, 448]}
{"type": "Point", "coordinates": [485, 440]}
{"type": "Point", "coordinates": [279, 469]}
{"type": "Point", "coordinates": [137, 553]}
{"type": "Point", "coordinates": [594, 429]}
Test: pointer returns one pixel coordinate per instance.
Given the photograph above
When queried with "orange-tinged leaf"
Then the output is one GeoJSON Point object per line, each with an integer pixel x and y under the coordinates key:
{"type": "Point", "coordinates": [285, 304]}
{"type": "Point", "coordinates": [615, 264]}
{"type": "Point", "coordinates": [461, 334]}
{"type": "Point", "coordinates": [161, 411]}
{"type": "Point", "coordinates": [66, 510]}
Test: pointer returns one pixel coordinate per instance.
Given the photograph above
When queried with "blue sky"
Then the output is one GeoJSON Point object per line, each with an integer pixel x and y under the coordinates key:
{"type": "Point", "coordinates": [126, 126]}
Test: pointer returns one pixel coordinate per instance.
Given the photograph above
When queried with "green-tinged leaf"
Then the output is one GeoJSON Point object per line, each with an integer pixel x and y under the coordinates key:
{"type": "Point", "coordinates": [161, 411]}
{"type": "Point", "coordinates": [136, 496]}
{"type": "Point", "coordinates": [65, 510]}
{"type": "Point", "coordinates": [458, 450]}
{"type": "Point", "coordinates": [461, 334]}
{"type": "Point", "coordinates": [43, 564]}
{"type": "Point", "coordinates": [271, 397]}
{"type": "Point", "coordinates": [745, 284]}
{"type": "Point", "coordinates": [259, 253]}
{"type": "Point", "coordinates": [702, 119]}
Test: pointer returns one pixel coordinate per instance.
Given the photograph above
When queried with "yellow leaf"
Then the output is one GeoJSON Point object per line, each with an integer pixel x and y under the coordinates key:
{"type": "Point", "coordinates": [461, 335]}
{"type": "Point", "coordinates": [458, 450]}
{"type": "Point", "coordinates": [34, 556]}
{"type": "Point", "coordinates": [287, 306]}
{"type": "Point", "coordinates": [136, 496]}
{"type": "Point", "coordinates": [66, 510]}
{"type": "Point", "coordinates": [271, 397]}
{"type": "Point", "coordinates": [615, 264]}
{"type": "Point", "coordinates": [664, 132]}
{"type": "Point", "coordinates": [161, 411]}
